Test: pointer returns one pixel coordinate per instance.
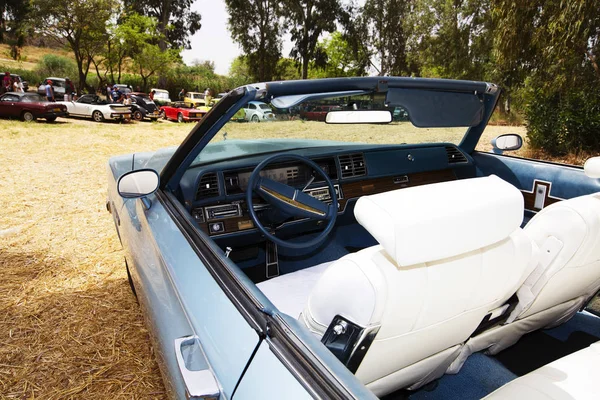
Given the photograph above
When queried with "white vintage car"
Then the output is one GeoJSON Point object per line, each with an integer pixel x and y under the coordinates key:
{"type": "Point", "coordinates": [91, 105]}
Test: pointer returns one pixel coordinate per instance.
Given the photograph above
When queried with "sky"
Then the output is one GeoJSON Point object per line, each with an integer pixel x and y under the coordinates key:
{"type": "Point", "coordinates": [213, 41]}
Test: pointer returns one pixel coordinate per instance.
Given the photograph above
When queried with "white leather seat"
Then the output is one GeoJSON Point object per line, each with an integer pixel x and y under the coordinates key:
{"type": "Point", "coordinates": [575, 376]}
{"type": "Point", "coordinates": [289, 293]}
{"type": "Point", "coordinates": [448, 254]}
{"type": "Point", "coordinates": [566, 277]}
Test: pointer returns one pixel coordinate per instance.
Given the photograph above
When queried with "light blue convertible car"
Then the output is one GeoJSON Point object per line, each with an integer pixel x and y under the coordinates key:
{"type": "Point", "coordinates": [362, 257]}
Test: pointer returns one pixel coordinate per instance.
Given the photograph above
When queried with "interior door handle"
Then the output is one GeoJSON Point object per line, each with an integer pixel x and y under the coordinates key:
{"type": "Point", "coordinates": [199, 384]}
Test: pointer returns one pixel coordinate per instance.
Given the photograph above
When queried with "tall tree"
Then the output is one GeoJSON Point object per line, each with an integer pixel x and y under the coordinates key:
{"type": "Point", "coordinates": [259, 36]}
{"type": "Point", "coordinates": [307, 20]}
{"type": "Point", "coordinates": [176, 21]}
{"type": "Point", "coordinates": [82, 24]}
{"type": "Point", "coordinates": [387, 34]}
{"type": "Point", "coordinates": [451, 38]}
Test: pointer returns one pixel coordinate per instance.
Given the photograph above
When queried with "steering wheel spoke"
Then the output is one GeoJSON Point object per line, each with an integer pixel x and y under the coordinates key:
{"type": "Point", "coordinates": [291, 201]}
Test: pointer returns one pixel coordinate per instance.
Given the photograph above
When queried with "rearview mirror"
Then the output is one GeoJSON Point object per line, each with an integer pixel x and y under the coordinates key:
{"type": "Point", "coordinates": [508, 142]}
{"type": "Point", "coordinates": [139, 183]}
{"type": "Point", "coordinates": [359, 117]}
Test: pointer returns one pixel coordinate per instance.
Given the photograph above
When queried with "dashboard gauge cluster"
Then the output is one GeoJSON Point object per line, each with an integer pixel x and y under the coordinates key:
{"type": "Point", "coordinates": [291, 174]}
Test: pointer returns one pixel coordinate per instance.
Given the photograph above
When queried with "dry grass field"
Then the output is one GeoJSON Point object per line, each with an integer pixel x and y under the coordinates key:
{"type": "Point", "coordinates": [69, 326]}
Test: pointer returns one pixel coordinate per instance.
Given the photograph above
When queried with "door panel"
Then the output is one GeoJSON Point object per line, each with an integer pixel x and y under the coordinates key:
{"type": "Point", "coordinates": [541, 183]}
{"type": "Point", "coordinates": [181, 298]}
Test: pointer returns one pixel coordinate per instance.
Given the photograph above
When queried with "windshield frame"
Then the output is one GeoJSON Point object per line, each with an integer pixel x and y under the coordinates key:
{"type": "Point", "coordinates": [235, 100]}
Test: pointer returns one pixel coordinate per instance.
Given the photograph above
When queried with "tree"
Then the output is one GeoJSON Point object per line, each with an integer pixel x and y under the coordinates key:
{"type": "Point", "coordinates": [341, 60]}
{"type": "Point", "coordinates": [451, 38]}
{"type": "Point", "coordinates": [258, 36]}
{"type": "Point", "coordinates": [387, 34]}
{"type": "Point", "coordinates": [82, 24]}
{"type": "Point", "coordinates": [14, 18]}
{"type": "Point", "coordinates": [150, 59]}
{"type": "Point", "coordinates": [307, 20]}
{"type": "Point", "coordinates": [176, 21]}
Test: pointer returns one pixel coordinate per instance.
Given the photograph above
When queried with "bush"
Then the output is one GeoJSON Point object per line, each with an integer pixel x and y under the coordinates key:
{"type": "Point", "coordinates": [567, 122]}
{"type": "Point", "coordinates": [58, 66]}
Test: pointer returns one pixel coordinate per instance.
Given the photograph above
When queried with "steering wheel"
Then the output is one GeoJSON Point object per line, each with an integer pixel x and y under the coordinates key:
{"type": "Point", "coordinates": [291, 202]}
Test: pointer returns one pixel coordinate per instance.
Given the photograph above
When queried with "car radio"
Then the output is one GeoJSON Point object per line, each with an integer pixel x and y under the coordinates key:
{"type": "Point", "coordinates": [223, 211]}
{"type": "Point", "coordinates": [322, 193]}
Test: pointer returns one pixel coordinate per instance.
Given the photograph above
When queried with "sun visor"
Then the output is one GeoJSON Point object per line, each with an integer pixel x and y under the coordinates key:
{"type": "Point", "coordinates": [435, 109]}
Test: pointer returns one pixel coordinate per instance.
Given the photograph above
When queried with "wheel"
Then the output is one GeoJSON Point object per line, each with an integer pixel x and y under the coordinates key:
{"type": "Point", "coordinates": [97, 116]}
{"type": "Point", "coordinates": [51, 119]}
{"type": "Point", "coordinates": [28, 116]}
{"type": "Point", "coordinates": [130, 280]}
{"type": "Point", "coordinates": [180, 117]}
{"type": "Point", "coordinates": [255, 118]}
{"type": "Point", "coordinates": [137, 115]}
{"type": "Point", "coordinates": [163, 115]}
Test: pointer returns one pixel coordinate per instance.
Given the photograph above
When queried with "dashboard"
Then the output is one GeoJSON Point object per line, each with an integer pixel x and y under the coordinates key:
{"type": "Point", "coordinates": [215, 194]}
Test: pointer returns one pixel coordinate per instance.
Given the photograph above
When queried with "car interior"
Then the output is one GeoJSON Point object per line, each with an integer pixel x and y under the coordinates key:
{"type": "Point", "coordinates": [429, 271]}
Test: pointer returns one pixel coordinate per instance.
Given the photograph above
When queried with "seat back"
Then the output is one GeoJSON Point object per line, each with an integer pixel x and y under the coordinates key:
{"type": "Point", "coordinates": [448, 254]}
{"type": "Point", "coordinates": [568, 235]}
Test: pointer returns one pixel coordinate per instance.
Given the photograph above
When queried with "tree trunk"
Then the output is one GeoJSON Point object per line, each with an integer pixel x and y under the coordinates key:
{"type": "Point", "coordinates": [162, 27]}
{"type": "Point", "coordinates": [305, 67]}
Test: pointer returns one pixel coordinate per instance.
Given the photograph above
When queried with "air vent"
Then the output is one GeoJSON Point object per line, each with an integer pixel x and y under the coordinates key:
{"type": "Point", "coordinates": [455, 156]}
{"type": "Point", "coordinates": [208, 186]}
{"type": "Point", "coordinates": [352, 165]}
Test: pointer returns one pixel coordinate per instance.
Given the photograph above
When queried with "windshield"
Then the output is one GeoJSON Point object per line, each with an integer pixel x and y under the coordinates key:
{"type": "Point", "coordinates": [33, 98]}
{"type": "Point", "coordinates": [197, 96]}
{"type": "Point", "coordinates": [161, 95]}
{"type": "Point", "coordinates": [303, 125]}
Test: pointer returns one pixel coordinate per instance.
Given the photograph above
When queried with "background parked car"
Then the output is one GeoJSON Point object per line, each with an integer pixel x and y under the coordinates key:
{"type": "Point", "coordinates": [58, 84]}
{"type": "Point", "coordinates": [25, 83]}
{"type": "Point", "coordinates": [161, 97]}
{"type": "Point", "coordinates": [29, 107]}
{"type": "Point", "coordinates": [194, 99]}
{"type": "Point", "coordinates": [318, 113]}
{"type": "Point", "coordinates": [181, 112]}
{"type": "Point", "coordinates": [92, 106]}
{"type": "Point", "coordinates": [142, 107]}
{"type": "Point", "coordinates": [257, 111]}
{"type": "Point", "coordinates": [124, 88]}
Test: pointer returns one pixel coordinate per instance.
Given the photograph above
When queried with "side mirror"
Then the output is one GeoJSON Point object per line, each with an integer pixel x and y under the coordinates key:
{"type": "Point", "coordinates": [508, 142]}
{"type": "Point", "coordinates": [139, 183]}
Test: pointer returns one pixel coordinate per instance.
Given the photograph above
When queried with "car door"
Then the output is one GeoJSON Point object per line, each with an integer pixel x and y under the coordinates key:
{"type": "Point", "coordinates": [7, 105]}
{"type": "Point", "coordinates": [182, 300]}
{"type": "Point", "coordinates": [541, 182]}
{"type": "Point", "coordinates": [80, 107]}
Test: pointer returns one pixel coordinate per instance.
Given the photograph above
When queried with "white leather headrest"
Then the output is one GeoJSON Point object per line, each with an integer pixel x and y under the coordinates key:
{"type": "Point", "coordinates": [437, 221]}
{"type": "Point", "coordinates": [592, 167]}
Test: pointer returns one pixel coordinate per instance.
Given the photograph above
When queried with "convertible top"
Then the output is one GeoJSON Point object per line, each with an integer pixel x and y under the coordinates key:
{"type": "Point", "coordinates": [378, 83]}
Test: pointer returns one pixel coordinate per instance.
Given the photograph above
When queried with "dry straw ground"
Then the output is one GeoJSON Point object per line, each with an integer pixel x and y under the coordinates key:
{"type": "Point", "coordinates": [69, 326]}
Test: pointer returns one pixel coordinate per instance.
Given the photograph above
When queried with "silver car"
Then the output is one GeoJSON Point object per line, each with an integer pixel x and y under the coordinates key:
{"type": "Point", "coordinates": [257, 111]}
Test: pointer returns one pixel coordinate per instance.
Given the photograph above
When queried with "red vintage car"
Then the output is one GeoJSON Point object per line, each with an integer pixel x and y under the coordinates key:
{"type": "Point", "coordinates": [29, 107]}
{"type": "Point", "coordinates": [317, 113]}
{"type": "Point", "coordinates": [181, 112]}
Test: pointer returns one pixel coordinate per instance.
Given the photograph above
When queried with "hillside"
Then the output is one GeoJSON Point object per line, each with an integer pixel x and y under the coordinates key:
{"type": "Point", "coordinates": [30, 56]}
